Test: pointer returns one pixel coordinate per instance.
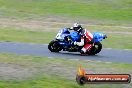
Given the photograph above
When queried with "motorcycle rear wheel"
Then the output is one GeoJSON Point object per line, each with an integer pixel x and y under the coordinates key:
{"type": "Point", "coordinates": [95, 49]}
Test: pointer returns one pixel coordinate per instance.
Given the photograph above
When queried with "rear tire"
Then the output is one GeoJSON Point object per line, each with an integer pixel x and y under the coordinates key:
{"type": "Point", "coordinates": [95, 49]}
{"type": "Point", "coordinates": [54, 46]}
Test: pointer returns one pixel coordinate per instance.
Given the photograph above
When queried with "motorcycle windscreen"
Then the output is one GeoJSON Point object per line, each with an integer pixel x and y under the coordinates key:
{"type": "Point", "coordinates": [62, 34]}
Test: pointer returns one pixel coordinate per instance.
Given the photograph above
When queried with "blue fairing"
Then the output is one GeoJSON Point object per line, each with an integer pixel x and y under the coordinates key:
{"type": "Point", "coordinates": [64, 32]}
{"type": "Point", "coordinates": [98, 36]}
{"type": "Point", "coordinates": [74, 36]}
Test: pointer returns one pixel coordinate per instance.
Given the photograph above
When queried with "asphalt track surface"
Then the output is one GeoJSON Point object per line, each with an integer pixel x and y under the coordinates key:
{"type": "Point", "coordinates": [107, 55]}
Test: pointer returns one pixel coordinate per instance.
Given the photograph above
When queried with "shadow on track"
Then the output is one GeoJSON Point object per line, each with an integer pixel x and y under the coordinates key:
{"type": "Point", "coordinates": [76, 55]}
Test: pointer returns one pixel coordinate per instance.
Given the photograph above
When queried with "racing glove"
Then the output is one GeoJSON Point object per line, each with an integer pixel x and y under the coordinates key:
{"type": "Point", "coordinates": [79, 43]}
{"type": "Point", "coordinates": [75, 43]}
{"type": "Point", "coordinates": [70, 28]}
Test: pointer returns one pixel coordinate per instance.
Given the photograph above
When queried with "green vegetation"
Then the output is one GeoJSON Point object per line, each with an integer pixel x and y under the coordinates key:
{"type": "Point", "coordinates": [116, 10]}
{"type": "Point", "coordinates": [51, 82]}
{"type": "Point", "coordinates": [49, 72]}
{"type": "Point", "coordinates": [43, 82]}
{"type": "Point", "coordinates": [55, 72]}
{"type": "Point", "coordinates": [112, 12]}
{"type": "Point", "coordinates": [17, 35]}
{"type": "Point", "coordinates": [30, 36]}
{"type": "Point", "coordinates": [119, 41]}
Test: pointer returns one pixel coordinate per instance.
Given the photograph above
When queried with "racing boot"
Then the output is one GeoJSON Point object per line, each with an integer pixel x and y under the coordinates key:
{"type": "Point", "coordinates": [83, 53]}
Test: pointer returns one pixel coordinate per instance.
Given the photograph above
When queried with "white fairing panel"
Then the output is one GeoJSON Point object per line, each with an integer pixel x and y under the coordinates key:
{"type": "Point", "coordinates": [58, 36]}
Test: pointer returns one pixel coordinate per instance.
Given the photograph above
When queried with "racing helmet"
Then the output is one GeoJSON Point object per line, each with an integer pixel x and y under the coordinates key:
{"type": "Point", "coordinates": [77, 27]}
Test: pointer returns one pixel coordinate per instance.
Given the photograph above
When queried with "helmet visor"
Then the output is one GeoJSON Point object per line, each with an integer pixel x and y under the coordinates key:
{"type": "Point", "coordinates": [75, 28]}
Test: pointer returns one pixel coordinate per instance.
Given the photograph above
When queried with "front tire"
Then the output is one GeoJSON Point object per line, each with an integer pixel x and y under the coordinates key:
{"type": "Point", "coordinates": [54, 46]}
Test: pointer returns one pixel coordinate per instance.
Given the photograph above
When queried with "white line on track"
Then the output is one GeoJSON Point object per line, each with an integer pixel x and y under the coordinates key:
{"type": "Point", "coordinates": [121, 49]}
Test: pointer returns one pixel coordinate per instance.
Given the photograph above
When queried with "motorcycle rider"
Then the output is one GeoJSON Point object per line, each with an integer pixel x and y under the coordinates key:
{"type": "Point", "coordinates": [77, 27]}
{"type": "Point", "coordinates": [86, 38]}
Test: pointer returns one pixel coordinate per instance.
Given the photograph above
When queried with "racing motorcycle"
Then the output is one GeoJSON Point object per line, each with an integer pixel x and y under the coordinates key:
{"type": "Point", "coordinates": [64, 40]}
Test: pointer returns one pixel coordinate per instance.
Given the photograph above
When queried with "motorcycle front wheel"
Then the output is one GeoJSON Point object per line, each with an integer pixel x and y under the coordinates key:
{"type": "Point", "coordinates": [54, 46]}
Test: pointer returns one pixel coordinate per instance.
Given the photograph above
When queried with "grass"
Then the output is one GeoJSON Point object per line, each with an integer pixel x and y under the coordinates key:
{"type": "Point", "coordinates": [106, 29]}
{"type": "Point", "coordinates": [117, 10]}
{"type": "Point", "coordinates": [30, 36]}
{"type": "Point", "coordinates": [118, 41]}
{"type": "Point", "coordinates": [113, 11]}
{"type": "Point", "coordinates": [51, 82]}
{"type": "Point", "coordinates": [15, 35]}
{"type": "Point", "coordinates": [61, 74]}
{"type": "Point", "coordinates": [43, 82]}
{"type": "Point", "coordinates": [56, 72]}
